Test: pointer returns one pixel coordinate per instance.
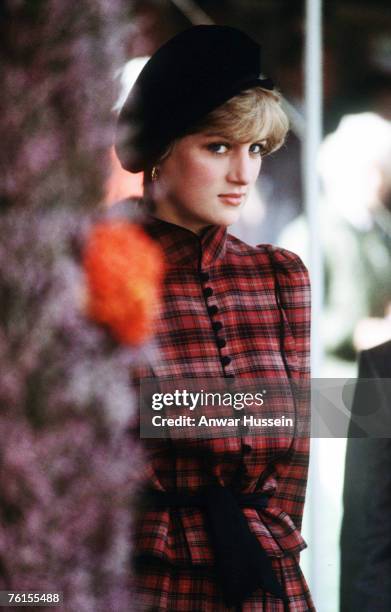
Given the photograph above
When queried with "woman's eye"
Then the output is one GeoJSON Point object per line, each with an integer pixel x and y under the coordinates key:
{"type": "Point", "coordinates": [218, 147]}
{"type": "Point", "coordinates": [258, 148]}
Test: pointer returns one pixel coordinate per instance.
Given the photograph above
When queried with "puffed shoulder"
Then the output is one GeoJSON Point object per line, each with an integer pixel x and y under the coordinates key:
{"type": "Point", "coordinates": [284, 260]}
{"type": "Point", "coordinates": [295, 296]}
{"type": "Point", "coordinates": [286, 265]}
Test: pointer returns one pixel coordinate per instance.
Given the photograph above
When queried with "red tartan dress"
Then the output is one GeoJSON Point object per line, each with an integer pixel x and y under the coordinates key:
{"type": "Point", "coordinates": [221, 317]}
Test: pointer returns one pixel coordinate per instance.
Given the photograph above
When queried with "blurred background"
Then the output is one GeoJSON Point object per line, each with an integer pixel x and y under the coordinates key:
{"type": "Point", "coordinates": [325, 195]}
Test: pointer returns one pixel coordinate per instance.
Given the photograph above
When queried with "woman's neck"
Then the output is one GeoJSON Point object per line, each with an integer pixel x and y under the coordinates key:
{"type": "Point", "coordinates": [170, 216]}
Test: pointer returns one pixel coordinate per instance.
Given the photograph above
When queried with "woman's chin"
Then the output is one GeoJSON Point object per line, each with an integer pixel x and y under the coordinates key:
{"type": "Point", "coordinates": [227, 218]}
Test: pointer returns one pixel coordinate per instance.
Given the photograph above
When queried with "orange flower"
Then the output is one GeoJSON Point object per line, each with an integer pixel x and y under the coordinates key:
{"type": "Point", "coordinates": [124, 269]}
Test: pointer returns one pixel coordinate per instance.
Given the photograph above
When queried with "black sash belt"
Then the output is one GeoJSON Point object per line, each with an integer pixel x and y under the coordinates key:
{"type": "Point", "coordinates": [242, 565]}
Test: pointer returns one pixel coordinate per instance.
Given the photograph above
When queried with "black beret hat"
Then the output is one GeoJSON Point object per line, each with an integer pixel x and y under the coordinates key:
{"type": "Point", "coordinates": [190, 75]}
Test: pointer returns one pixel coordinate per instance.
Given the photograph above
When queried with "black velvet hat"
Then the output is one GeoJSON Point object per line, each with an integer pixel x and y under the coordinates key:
{"type": "Point", "coordinates": [190, 75]}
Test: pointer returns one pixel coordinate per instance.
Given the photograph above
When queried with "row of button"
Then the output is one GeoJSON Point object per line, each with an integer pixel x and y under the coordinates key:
{"type": "Point", "coordinates": [217, 325]}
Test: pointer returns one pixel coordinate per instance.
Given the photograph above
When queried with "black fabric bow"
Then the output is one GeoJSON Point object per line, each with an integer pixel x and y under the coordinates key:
{"type": "Point", "coordinates": [241, 564]}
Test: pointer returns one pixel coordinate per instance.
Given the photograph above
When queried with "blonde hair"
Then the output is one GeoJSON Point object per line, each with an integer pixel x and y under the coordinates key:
{"type": "Point", "coordinates": [251, 116]}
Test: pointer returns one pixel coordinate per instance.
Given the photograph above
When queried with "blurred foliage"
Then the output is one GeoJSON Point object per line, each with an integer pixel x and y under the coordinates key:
{"type": "Point", "coordinates": [67, 466]}
{"type": "Point", "coordinates": [56, 98]}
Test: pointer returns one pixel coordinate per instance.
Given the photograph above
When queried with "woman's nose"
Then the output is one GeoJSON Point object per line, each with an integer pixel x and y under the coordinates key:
{"type": "Point", "coordinates": [243, 169]}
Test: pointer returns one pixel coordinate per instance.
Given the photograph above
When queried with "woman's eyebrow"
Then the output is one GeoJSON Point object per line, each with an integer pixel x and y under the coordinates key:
{"type": "Point", "coordinates": [214, 135]}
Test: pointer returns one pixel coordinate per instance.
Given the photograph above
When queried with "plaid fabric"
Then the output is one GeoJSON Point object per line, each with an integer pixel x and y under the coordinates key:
{"type": "Point", "coordinates": [224, 306]}
{"type": "Point", "coordinates": [195, 589]}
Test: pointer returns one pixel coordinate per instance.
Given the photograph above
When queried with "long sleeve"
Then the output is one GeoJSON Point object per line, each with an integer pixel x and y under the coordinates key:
{"type": "Point", "coordinates": [294, 289]}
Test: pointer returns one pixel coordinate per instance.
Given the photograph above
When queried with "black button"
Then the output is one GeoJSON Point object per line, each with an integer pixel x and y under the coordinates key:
{"type": "Point", "coordinates": [204, 276]}
{"type": "Point", "coordinates": [208, 291]}
{"type": "Point", "coordinates": [213, 310]}
{"type": "Point", "coordinates": [221, 342]}
{"type": "Point", "coordinates": [217, 325]}
{"type": "Point", "coordinates": [226, 360]}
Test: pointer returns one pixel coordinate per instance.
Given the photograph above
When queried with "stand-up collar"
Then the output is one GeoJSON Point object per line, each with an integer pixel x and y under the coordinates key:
{"type": "Point", "coordinates": [183, 247]}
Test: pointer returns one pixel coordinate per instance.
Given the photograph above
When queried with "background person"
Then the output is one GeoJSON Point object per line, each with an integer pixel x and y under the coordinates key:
{"type": "Point", "coordinates": [355, 233]}
{"type": "Point", "coordinates": [366, 529]}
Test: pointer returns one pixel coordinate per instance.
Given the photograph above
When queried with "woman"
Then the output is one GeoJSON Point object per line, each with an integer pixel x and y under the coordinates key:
{"type": "Point", "coordinates": [220, 529]}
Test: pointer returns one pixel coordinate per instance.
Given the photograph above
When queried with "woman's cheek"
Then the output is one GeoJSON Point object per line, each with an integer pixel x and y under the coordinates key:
{"type": "Point", "coordinates": [208, 172]}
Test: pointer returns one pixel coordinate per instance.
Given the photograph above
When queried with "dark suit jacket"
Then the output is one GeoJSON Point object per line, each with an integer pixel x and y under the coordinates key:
{"type": "Point", "coordinates": [366, 526]}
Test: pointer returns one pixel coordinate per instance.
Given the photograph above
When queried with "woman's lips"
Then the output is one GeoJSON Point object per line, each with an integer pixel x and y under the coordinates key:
{"type": "Point", "coordinates": [234, 199]}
